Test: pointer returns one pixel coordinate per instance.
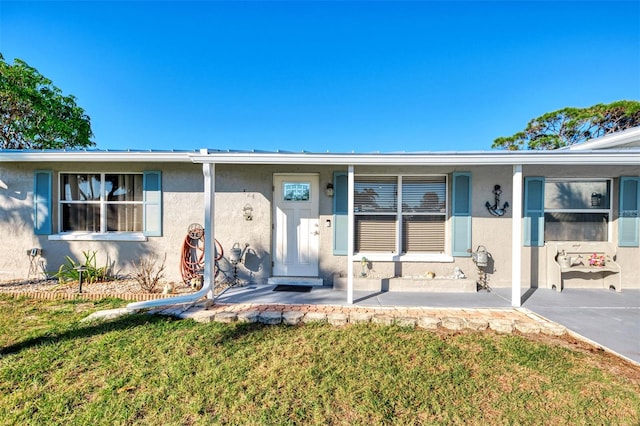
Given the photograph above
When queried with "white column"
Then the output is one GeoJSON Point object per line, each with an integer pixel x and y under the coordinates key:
{"type": "Point", "coordinates": [516, 237]}
{"type": "Point", "coordinates": [209, 171]}
{"type": "Point", "coordinates": [350, 229]}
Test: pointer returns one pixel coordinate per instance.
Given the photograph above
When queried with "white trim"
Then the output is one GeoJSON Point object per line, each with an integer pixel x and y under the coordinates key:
{"type": "Point", "coordinates": [209, 175]}
{"type": "Point", "coordinates": [40, 156]}
{"type": "Point", "coordinates": [350, 231]}
{"type": "Point", "coordinates": [562, 157]}
{"type": "Point", "coordinates": [399, 213]}
{"type": "Point", "coordinates": [98, 236]}
{"type": "Point", "coordinates": [516, 237]}
{"type": "Point", "coordinates": [577, 155]}
{"type": "Point", "coordinates": [612, 140]}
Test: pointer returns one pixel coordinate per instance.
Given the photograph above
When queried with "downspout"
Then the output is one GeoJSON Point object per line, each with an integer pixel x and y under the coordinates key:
{"type": "Point", "coordinates": [516, 238]}
{"type": "Point", "coordinates": [208, 169]}
{"type": "Point", "coordinates": [350, 229]}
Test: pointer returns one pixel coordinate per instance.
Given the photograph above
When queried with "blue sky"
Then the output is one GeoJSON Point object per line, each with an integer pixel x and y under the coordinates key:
{"type": "Point", "coordinates": [325, 76]}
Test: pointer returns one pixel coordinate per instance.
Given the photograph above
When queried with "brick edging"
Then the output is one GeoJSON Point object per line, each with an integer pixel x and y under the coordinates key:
{"type": "Point", "coordinates": [47, 295]}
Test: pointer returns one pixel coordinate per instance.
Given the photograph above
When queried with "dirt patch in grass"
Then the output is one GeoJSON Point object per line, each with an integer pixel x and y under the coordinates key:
{"type": "Point", "coordinates": [611, 362]}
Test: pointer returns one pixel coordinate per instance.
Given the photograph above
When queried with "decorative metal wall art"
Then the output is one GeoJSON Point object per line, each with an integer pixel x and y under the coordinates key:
{"type": "Point", "coordinates": [495, 209]}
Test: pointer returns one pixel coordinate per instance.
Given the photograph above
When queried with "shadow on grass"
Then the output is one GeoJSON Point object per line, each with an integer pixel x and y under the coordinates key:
{"type": "Point", "coordinates": [79, 331]}
{"type": "Point", "coordinates": [225, 332]}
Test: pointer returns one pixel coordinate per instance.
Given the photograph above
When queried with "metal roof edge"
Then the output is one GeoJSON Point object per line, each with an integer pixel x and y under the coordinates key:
{"type": "Point", "coordinates": [94, 156]}
{"type": "Point", "coordinates": [611, 140]}
{"type": "Point", "coordinates": [593, 157]}
{"type": "Point", "coordinates": [630, 156]}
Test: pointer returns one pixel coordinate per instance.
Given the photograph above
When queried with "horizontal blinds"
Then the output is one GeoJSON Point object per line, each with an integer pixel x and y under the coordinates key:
{"type": "Point", "coordinates": [375, 233]}
{"type": "Point", "coordinates": [423, 233]}
{"type": "Point", "coordinates": [375, 194]}
{"type": "Point", "coordinates": [424, 194]}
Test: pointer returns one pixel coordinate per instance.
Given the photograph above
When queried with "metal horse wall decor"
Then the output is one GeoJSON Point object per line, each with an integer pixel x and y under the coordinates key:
{"type": "Point", "coordinates": [495, 209]}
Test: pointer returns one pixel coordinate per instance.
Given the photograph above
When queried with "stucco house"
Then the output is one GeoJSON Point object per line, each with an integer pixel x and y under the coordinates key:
{"type": "Point", "coordinates": [397, 219]}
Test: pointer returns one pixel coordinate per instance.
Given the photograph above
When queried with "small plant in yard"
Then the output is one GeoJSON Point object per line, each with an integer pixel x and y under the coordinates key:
{"type": "Point", "coordinates": [68, 272]}
{"type": "Point", "coordinates": [148, 274]}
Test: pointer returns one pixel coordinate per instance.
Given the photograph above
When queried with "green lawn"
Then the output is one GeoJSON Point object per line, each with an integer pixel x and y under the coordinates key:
{"type": "Point", "coordinates": [155, 370]}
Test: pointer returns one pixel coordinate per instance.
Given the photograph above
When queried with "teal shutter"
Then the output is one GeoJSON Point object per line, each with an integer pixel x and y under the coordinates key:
{"type": "Point", "coordinates": [42, 193]}
{"type": "Point", "coordinates": [533, 223]}
{"type": "Point", "coordinates": [629, 219]}
{"type": "Point", "coordinates": [152, 187]}
{"type": "Point", "coordinates": [340, 213]}
{"type": "Point", "coordinates": [461, 214]}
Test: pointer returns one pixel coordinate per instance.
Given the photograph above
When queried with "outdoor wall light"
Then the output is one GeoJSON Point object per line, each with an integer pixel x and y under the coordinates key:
{"type": "Point", "coordinates": [330, 190]}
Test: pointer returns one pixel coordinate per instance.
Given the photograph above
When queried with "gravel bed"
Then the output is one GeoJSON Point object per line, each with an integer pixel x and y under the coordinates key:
{"type": "Point", "coordinates": [115, 287]}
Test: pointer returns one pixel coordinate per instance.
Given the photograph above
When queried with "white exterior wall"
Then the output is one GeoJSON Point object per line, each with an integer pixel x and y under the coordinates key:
{"type": "Point", "coordinates": [182, 186]}
{"type": "Point", "coordinates": [16, 222]}
{"type": "Point", "coordinates": [238, 186]}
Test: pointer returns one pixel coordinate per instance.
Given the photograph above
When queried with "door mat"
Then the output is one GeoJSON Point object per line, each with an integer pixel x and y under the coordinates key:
{"type": "Point", "coordinates": [296, 288]}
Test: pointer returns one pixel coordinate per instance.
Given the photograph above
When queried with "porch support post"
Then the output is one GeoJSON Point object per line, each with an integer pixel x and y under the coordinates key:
{"type": "Point", "coordinates": [350, 229]}
{"type": "Point", "coordinates": [209, 171]}
{"type": "Point", "coordinates": [516, 237]}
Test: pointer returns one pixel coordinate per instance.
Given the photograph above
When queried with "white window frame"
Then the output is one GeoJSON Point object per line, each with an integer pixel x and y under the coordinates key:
{"type": "Point", "coordinates": [103, 234]}
{"type": "Point", "coordinates": [608, 211]}
{"type": "Point", "coordinates": [399, 214]}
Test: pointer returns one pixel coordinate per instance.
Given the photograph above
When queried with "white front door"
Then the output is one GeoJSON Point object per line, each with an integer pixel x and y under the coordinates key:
{"type": "Point", "coordinates": [296, 225]}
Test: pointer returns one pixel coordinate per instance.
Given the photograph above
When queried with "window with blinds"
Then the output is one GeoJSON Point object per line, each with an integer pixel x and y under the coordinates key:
{"type": "Point", "coordinates": [376, 194]}
{"type": "Point", "coordinates": [375, 233]}
{"type": "Point", "coordinates": [419, 206]}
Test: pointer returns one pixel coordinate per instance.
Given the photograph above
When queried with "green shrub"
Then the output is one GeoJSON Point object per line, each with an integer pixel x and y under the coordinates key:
{"type": "Point", "coordinates": [68, 271]}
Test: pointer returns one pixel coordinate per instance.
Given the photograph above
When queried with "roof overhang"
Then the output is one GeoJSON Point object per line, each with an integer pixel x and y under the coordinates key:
{"type": "Point", "coordinates": [620, 157]}
{"type": "Point", "coordinates": [558, 157]}
{"type": "Point", "coordinates": [629, 138]}
{"type": "Point", "coordinates": [31, 156]}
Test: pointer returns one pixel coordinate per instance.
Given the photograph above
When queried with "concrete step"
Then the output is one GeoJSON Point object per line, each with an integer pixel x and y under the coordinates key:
{"type": "Point", "coordinates": [312, 281]}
